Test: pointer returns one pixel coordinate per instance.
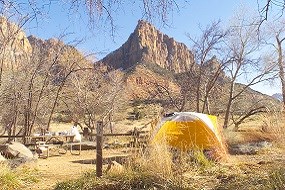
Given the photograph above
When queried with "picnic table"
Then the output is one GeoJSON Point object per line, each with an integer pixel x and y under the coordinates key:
{"type": "Point", "coordinates": [43, 143]}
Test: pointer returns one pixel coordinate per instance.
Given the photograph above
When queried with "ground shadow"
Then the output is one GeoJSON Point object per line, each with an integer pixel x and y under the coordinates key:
{"type": "Point", "coordinates": [118, 158]}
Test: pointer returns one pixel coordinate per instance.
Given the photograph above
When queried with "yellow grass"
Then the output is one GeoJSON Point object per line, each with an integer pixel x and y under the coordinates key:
{"type": "Point", "coordinates": [275, 127]}
{"type": "Point", "coordinates": [11, 179]}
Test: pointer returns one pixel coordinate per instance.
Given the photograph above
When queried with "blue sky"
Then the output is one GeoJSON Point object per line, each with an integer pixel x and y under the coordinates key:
{"type": "Point", "coordinates": [98, 41]}
{"type": "Point", "coordinates": [182, 21]}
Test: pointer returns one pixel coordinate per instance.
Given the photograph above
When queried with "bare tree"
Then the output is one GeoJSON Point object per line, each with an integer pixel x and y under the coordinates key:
{"type": "Point", "coordinates": [267, 7]}
{"type": "Point", "coordinates": [275, 37]}
{"type": "Point", "coordinates": [242, 59]}
{"type": "Point", "coordinates": [13, 52]}
{"type": "Point", "coordinates": [167, 96]}
{"type": "Point", "coordinates": [98, 12]}
{"type": "Point", "coordinates": [93, 95]}
{"type": "Point", "coordinates": [207, 70]}
{"type": "Point", "coordinates": [244, 110]}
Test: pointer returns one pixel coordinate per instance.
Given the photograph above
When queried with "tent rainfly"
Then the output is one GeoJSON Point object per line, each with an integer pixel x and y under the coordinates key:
{"type": "Point", "coordinates": [189, 130]}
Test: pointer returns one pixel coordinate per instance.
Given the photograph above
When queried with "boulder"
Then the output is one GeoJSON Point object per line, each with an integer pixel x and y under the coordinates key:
{"type": "Point", "coordinates": [2, 159]}
{"type": "Point", "coordinates": [16, 150]}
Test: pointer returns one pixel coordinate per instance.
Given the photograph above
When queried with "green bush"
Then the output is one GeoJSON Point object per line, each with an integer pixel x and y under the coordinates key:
{"type": "Point", "coordinates": [138, 113]}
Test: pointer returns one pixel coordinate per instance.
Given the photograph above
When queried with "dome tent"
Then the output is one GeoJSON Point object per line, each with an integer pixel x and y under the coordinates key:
{"type": "Point", "coordinates": [189, 130]}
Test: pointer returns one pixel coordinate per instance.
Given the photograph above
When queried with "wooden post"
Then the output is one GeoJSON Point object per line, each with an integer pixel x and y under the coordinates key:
{"type": "Point", "coordinates": [99, 141]}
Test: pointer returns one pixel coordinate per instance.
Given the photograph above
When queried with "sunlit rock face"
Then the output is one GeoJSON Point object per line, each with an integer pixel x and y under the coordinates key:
{"type": "Point", "coordinates": [15, 48]}
{"type": "Point", "coordinates": [148, 45]}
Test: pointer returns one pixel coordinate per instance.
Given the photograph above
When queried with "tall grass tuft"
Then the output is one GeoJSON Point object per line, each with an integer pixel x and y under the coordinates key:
{"type": "Point", "coordinates": [157, 168]}
{"type": "Point", "coordinates": [157, 160]}
{"type": "Point", "coordinates": [8, 178]}
{"type": "Point", "coordinates": [274, 125]}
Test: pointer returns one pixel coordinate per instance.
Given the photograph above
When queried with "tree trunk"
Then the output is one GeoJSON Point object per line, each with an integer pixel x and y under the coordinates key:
{"type": "Point", "coordinates": [281, 68]}
{"type": "Point", "coordinates": [229, 106]}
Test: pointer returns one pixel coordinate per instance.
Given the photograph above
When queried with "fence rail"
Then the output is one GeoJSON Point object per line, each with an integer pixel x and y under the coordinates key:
{"type": "Point", "coordinates": [12, 136]}
{"type": "Point", "coordinates": [92, 134]}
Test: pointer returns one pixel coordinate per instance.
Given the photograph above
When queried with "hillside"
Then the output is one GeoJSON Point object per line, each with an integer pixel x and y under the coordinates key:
{"type": "Point", "coordinates": [148, 45]}
{"type": "Point", "coordinates": [150, 67]}
{"type": "Point", "coordinates": [159, 69]}
{"type": "Point", "coordinates": [278, 96]}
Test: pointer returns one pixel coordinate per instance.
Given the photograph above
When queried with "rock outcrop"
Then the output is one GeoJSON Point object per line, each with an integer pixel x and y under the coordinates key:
{"type": "Point", "coordinates": [48, 47]}
{"type": "Point", "coordinates": [144, 83]}
{"type": "Point", "coordinates": [148, 45]}
{"type": "Point", "coordinates": [14, 45]}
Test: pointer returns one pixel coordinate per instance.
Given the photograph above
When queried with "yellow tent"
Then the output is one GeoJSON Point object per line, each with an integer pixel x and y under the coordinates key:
{"type": "Point", "coordinates": [189, 130]}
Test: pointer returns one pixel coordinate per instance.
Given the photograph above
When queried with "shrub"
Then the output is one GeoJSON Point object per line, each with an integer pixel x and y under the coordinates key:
{"type": "Point", "coordinates": [274, 125]}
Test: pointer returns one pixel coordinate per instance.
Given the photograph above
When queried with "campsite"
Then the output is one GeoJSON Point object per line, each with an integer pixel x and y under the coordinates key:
{"type": "Point", "coordinates": [255, 164]}
{"type": "Point", "coordinates": [150, 94]}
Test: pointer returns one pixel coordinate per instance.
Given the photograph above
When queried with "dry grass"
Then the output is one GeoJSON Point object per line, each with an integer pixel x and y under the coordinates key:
{"type": "Point", "coordinates": [157, 160]}
{"type": "Point", "coordinates": [264, 127]}
{"type": "Point", "coordinates": [17, 178]}
{"type": "Point", "coordinates": [274, 126]}
{"type": "Point", "coordinates": [157, 168]}
{"type": "Point", "coordinates": [160, 167]}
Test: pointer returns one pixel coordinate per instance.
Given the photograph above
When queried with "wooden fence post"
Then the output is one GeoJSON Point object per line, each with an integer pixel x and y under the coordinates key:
{"type": "Point", "coordinates": [99, 142]}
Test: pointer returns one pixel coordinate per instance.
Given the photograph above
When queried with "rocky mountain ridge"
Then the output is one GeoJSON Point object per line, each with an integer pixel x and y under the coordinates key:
{"type": "Point", "coordinates": [278, 96]}
{"type": "Point", "coordinates": [148, 45]}
{"type": "Point", "coordinates": [14, 44]}
{"type": "Point", "coordinates": [150, 60]}
{"type": "Point", "coordinates": [158, 68]}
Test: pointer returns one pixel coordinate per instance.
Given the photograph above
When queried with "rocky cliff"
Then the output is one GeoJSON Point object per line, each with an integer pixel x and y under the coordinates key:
{"type": "Point", "coordinates": [14, 45]}
{"type": "Point", "coordinates": [148, 45]}
{"type": "Point", "coordinates": [55, 50]}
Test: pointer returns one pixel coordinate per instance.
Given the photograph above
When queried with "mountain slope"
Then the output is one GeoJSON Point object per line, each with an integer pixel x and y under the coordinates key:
{"type": "Point", "coordinates": [148, 45]}
{"type": "Point", "coordinates": [278, 96]}
{"type": "Point", "coordinates": [159, 68]}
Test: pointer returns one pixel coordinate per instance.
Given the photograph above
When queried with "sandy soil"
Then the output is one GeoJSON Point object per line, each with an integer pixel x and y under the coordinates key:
{"type": "Point", "coordinates": [64, 167]}
{"type": "Point", "coordinates": [58, 168]}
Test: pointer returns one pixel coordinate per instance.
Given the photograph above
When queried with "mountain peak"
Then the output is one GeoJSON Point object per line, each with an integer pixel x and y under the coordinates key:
{"type": "Point", "coordinates": [148, 45]}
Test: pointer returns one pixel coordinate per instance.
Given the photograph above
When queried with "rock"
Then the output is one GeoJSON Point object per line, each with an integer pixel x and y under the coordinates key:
{"type": "Point", "coordinates": [16, 154]}
{"type": "Point", "coordinates": [148, 45]}
{"type": "Point", "coordinates": [2, 159]}
{"type": "Point", "coordinates": [142, 81]}
{"type": "Point", "coordinates": [16, 150]}
{"type": "Point", "coordinates": [16, 44]}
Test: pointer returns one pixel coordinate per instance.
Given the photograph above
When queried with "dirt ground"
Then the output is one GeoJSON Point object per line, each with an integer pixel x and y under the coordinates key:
{"type": "Point", "coordinates": [58, 168]}
{"type": "Point", "coordinates": [64, 167]}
